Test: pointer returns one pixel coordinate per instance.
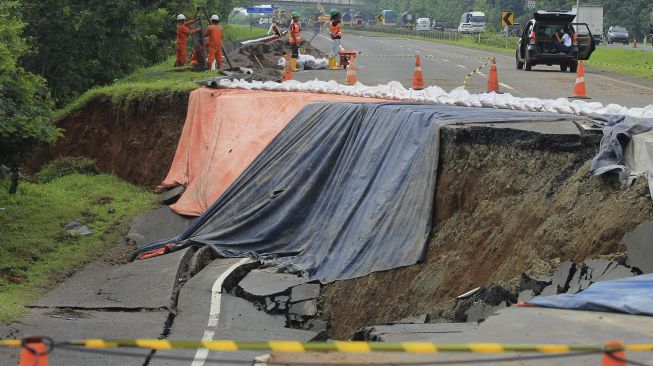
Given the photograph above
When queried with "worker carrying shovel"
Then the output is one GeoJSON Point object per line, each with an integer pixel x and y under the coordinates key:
{"type": "Point", "coordinates": [183, 30]}
{"type": "Point", "coordinates": [295, 39]}
{"type": "Point", "coordinates": [214, 35]}
{"type": "Point", "coordinates": [335, 30]}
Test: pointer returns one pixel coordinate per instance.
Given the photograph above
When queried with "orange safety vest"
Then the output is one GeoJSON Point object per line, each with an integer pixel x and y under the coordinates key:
{"type": "Point", "coordinates": [336, 29]}
{"type": "Point", "coordinates": [295, 32]}
{"type": "Point", "coordinates": [183, 30]}
{"type": "Point", "coordinates": [214, 34]}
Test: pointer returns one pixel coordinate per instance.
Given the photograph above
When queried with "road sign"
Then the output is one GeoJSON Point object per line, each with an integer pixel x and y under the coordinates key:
{"type": "Point", "coordinates": [507, 18]}
{"type": "Point", "coordinates": [259, 10]}
{"type": "Point", "coordinates": [531, 4]}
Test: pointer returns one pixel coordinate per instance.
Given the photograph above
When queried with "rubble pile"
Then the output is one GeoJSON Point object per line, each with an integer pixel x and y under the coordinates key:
{"type": "Point", "coordinates": [284, 294]}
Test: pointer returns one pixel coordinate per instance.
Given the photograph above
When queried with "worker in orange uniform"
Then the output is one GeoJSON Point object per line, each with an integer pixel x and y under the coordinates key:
{"type": "Point", "coordinates": [182, 38]}
{"type": "Point", "coordinates": [214, 35]}
{"type": "Point", "coordinates": [335, 31]}
{"type": "Point", "coordinates": [295, 37]}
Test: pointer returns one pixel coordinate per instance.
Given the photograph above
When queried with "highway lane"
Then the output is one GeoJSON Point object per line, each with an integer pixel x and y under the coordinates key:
{"type": "Point", "coordinates": [449, 64]}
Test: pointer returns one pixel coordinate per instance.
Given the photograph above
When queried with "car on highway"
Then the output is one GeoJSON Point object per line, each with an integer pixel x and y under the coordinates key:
{"type": "Point", "coordinates": [537, 41]}
{"type": "Point", "coordinates": [438, 25]}
{"type": "Point", "coordinates": [617, 33]}
{"type": "Point", "coordinates": [423, 25]}
{"type": "Point", "coordinates": [472, 22]}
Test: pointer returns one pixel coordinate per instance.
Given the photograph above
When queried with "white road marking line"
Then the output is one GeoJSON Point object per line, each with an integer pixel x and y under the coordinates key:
{"type": "Point", "coordinates": [416, 51]}
{"type": "Point", "coordinates": [445, 60]}
{"type": "Point", "coordinates": [461, 66]}
{"type": "Point", "coordinates": [506, 86]}
{"type": "Point", "coordinates": [214, 313]}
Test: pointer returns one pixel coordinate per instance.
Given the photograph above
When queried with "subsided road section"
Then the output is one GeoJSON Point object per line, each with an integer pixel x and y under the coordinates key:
{"type": "Point", "coordinates": [388, 58]}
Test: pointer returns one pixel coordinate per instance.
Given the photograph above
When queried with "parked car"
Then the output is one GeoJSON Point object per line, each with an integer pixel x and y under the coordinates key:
{"type": "Point", "coordinates": [423, 24]}
{"type": "Point", "coordinates": [438, 25]}
{"type": "Point", "coordinates": [617, 33]}
{"type": "Point", "coordinates": [537, 41]}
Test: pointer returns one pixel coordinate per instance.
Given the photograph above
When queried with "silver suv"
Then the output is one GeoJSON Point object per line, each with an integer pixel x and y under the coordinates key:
{"type": "Point", "coordinates": [617, 33]}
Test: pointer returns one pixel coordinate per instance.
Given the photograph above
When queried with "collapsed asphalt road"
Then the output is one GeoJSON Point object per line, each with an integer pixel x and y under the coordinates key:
{"type": "Point", "coordinates": [449, 65]}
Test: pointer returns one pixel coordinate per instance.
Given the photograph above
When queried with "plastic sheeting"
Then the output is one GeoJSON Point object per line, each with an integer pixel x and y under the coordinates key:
{"type": "Point", "coordinates": [631, 295]}
{"type": "Point", "coordinates": [459, 96]}
{"type": "Point", "coordinates": [617, 136]}
{"type": "Point", "coordinates": [344, 190]}
{"type": "Point", "coordinates": [224, 131]}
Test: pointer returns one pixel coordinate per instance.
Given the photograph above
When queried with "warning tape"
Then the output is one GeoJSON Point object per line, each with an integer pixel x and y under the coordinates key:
{"type": "Point", "coordinates": [426, 56]}
{"type": "Point", "coordinates": [619, 65]}
{"type": "Point", "coordinates": [343, 347]}
{"type": "Point", "coordinates": [475, 71]}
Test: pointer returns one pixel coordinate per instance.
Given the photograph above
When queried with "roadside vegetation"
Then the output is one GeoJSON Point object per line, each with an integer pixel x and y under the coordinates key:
{"type": "Point", "coordinates": [37, 251]}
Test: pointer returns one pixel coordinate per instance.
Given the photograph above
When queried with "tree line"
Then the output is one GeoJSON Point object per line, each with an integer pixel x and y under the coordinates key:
{"type": "Point", "coordinates": [633, 14]}
{"type": "Point", "coordinates": [51, 51]}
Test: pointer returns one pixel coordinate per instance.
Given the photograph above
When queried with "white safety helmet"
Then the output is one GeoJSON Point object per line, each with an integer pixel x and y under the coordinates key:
{"type": "Point", "coordinates": [181, 17]}
{"type": "Point", "coordinates": [215, 17]}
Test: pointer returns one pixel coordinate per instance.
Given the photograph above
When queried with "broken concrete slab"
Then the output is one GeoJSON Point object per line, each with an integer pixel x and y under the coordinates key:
{"type": "Point", "coordinates": [479, 311]}
{"type": "Point", "coordinates": [535, 285]}
{"type": "Point", "coordinates": [304, 291]}
{"type": "Point", "coordinates": [239, 319]}
{"type": "Point", "coordinates": [83, 324]}
{"type": "Point", "coordinates": [158, 224]}
{"type": "Point", "coordinates": [615, 272]}
{"type": "Point", "coordinates": [75, 227]}
{"type": "Point", "coordinates": [304, 308]}
{"type": "Point", "coordinates": [172, 195]}
{"type": "Point", "coordinates": [640, 247]}
{"type": "Point", "coordinates": [260, 284]}
{"type": "Point", "coordinates": [525, 295]}
{"type": "Point", "coordinates": [143, 284]}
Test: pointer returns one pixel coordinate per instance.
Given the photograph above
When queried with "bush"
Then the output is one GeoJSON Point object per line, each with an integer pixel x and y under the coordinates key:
{"type": "Point", "coordinates": [66, 165]}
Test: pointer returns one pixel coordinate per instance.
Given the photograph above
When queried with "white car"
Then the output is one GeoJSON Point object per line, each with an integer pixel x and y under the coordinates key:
{"type": "Point", "coordinates": [423, 24]}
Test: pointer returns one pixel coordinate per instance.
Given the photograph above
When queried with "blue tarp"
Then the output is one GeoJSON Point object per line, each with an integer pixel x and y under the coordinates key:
{"type": "Point", "coordinates": [344, 190]}
{"type": "Point", "coordinates": [633, 295]}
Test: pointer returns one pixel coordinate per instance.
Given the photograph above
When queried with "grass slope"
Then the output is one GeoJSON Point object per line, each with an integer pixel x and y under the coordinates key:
{"type": "Point", "coordinates": [162, 78]}
{"type": "Point", "coordinates": [37, 252]}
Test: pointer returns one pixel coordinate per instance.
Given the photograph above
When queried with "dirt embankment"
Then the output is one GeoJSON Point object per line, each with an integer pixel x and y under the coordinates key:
{"type": "Point", "coordinates": [135, 142]}
{"type": "Point", "coordinates": [502, 209]}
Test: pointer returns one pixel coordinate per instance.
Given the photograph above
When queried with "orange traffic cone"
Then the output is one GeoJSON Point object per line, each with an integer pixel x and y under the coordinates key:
{"type": "Point", "coordinates": [579, 89]}
{"type": "Point", "coordinates": [614, 358]}
{"type": "Point", "coordinates": [351, 72]}
{"type": "Point", "coordinates": [418, 78]}
{"type": "Point", "coordinates": [33, 353]}
{"type": "Point", "coordinates": [287, 69]}
{"type": "Point", "coordinates": [493, 79]}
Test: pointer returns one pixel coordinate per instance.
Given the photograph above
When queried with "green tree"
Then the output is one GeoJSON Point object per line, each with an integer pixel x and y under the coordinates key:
{"type": "Point", "coordinates": [25, 105]}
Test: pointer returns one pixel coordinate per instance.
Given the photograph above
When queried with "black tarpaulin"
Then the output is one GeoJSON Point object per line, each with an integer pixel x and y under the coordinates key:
{"type": "Point", "coordinates": [344, 190]}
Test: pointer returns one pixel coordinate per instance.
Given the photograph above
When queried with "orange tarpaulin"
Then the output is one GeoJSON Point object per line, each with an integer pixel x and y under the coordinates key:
{"type": "Point", "coordinates": [225, 130]}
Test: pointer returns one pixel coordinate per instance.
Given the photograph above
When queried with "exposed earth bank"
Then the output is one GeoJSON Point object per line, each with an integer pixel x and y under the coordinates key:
{"type": "Point", "coordinates": [507, 202]}
{"type": "Point", "coordinates": [135, 141]}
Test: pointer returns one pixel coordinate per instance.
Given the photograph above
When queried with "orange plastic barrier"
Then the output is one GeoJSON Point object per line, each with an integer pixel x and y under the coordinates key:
{"type": "Point", "coordinates": [225, 130]}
